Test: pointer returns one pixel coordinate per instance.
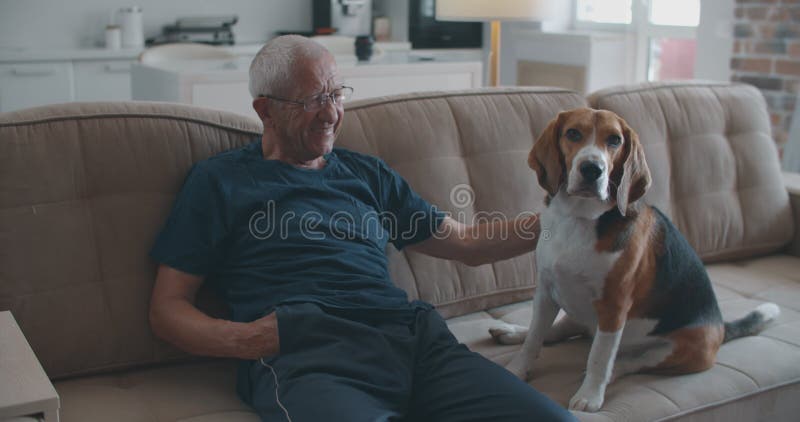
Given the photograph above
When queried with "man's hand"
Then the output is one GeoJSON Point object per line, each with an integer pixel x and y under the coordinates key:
{"type": "Point", "coordinates": [483, 243]}
{"type": "Point", "coordinates": [265, 340]}
{"type": "Point", "coordinates": [174, 318]}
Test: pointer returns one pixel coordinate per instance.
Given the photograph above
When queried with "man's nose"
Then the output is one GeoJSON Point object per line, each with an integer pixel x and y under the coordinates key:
{"type": "Point", "coordinates": [591, 170]}
{"type": "Point", "coordinates": [328, 111]}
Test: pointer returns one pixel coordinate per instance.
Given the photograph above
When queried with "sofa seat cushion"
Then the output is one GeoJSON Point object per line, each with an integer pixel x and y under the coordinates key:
{"type": "Point", "coordinates": [192, 392]}
{"type": "Point", "coordinates": [762, 371]}
{"type": "Point", "coordinates": [755, 378]}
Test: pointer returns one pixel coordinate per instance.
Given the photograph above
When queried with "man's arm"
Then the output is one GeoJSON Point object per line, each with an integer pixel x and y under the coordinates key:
{"type": "Point", "coordinates": [174, 318]}
{"type": "Point", "coordinates": [483, 243]}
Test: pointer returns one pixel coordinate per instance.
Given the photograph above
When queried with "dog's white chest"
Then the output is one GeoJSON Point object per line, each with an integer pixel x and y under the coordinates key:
{"type": "Point", "coordinates": [568, 264]}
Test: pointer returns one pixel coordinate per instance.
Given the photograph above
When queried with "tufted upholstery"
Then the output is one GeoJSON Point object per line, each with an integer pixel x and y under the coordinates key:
{"type": "Point", "coordinates": [473, 143]}
{"type": "Point", "coordinates": [85, 187]}
{"type": "Point", "coordinates": [709, 144]}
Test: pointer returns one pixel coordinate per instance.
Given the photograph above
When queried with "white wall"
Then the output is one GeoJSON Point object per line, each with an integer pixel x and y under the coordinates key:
{"type": "Point", "coordinates": [80, 23]}
{"type": "Point", "coordinates": [559, 20]}
{"type": "Point", "coordinates": [714, 40]}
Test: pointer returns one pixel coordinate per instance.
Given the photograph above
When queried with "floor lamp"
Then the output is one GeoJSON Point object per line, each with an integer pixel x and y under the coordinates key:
{"type": "Point", "coordinates": [492, 11]}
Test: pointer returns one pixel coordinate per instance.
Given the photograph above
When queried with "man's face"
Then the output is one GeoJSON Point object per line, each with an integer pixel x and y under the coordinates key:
{"type": "Point", "coordinates": [306, 135]}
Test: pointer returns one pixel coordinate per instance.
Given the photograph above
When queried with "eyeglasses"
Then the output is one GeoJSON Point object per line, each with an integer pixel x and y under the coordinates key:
{"type": "Point", "coordinates": [317, 102]}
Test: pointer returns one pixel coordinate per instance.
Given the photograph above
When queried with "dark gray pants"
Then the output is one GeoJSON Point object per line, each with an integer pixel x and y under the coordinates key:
{"type": "Point", "coordinates": [333, 368]}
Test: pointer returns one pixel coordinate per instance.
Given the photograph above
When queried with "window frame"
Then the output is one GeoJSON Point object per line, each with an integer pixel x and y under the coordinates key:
{"type": "Point", "coordinates": [603, 26]}
{"type": "Point", "coordinates": [641, 29]}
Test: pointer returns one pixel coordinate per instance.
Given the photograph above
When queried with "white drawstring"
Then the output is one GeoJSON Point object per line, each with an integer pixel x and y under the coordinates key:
{"type": "Point", "coordinates": [275, 376]}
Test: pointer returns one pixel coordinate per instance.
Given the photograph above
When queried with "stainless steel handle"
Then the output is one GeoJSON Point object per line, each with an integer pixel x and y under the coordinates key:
{"type": "Point", "coordinates": [32, 72]}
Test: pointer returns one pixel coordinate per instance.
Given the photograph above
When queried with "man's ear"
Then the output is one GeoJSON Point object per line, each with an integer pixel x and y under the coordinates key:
{"type": "Point", "coordinates": [545, 157]}
{"type": "Point", "coordinates": [261, 106]}
{"type": "Point", "coordinates": [635, 178]}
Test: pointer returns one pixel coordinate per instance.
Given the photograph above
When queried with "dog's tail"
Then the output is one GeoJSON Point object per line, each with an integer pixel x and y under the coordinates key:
{"type": "Point", "coordinates": [753, 323]}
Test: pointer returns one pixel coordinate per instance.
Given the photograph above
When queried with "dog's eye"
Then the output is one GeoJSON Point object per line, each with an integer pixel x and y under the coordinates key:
{"type": "Point", "coordinates": [614, 141]}
{"type": "Point", "coordinates": [573, 135]}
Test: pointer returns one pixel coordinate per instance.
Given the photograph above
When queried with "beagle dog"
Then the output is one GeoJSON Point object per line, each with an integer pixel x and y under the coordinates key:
{"type": "Point", "coordinates": [617, 267]}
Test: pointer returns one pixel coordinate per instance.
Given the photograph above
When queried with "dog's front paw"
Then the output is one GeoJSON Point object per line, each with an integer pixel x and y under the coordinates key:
{"type": "Point", "coordinates": [508, 333]}
{"type": "Point", "coordinates": [587, 399]}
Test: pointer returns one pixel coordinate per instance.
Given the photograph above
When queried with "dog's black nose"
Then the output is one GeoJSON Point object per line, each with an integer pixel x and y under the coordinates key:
{"type": "Point", "coordinates": [591, 170]}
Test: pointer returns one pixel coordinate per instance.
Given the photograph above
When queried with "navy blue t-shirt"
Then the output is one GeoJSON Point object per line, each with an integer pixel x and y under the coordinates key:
{"type": "Point", "coordinates": [265, 233]}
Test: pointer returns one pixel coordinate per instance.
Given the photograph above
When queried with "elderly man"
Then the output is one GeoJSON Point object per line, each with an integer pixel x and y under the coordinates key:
{"type": "Point", "coordinates": [322, 333]}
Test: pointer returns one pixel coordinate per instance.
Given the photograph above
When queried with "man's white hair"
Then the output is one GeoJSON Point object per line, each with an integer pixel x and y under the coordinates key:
{"type": "Point", "coordinates": [272, 69]}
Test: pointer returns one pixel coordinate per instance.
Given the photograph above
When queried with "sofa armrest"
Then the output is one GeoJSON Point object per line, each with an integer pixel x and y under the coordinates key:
{"type": "Point", "coordinates": [25, 389]}
{"type": "Point", "coordinates": [792, 183]}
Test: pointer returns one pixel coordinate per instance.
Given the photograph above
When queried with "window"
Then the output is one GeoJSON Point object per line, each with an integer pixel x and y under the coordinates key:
{"type": "Point", "coordinates": [675, 12]}
{"type": "Point", "coordinates": [671, 58]}
{"type": "Point", "coordinates": [664, 32]}
{"type": "Point", "coordinates": [604, 11]}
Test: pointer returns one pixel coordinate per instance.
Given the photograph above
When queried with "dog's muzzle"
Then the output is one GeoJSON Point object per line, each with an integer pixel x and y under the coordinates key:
{"type": "Point", "coordinates": [591, 176]}
{"type": "Point", "coordinates": [591, 171]}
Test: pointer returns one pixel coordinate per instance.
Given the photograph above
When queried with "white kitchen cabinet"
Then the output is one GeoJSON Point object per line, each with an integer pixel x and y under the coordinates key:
{"type": "Point", "coordinates": [103, 80]}
{"type": "Point", "coordinates": [401, 78]}
{"type": "Point", "coordinates": [223, 85]}
{"type": "Point", "coordinates": [29, 84]}
{"type": "Point", "coordinates": [33, 77]}
{"type": "Point", "coordinates": [230, 96]}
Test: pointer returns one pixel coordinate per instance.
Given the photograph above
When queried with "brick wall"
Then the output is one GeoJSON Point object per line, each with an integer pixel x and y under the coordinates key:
{"type": "Point", "coordinates": [766, 53]}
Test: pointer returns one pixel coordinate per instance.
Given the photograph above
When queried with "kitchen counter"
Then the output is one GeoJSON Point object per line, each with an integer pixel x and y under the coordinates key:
{"type": "Point", "coordinates": [59, 54]}
{"type": "Point", "coordinates": [13, 54]}
{"type": "Point", "coordinates": [54, 54]}
{"type": "Point", "coordinates": [242, 64]}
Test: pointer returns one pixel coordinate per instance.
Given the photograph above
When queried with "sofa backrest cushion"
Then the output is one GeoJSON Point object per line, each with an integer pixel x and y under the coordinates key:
{"type": "Point", "coordinates": [85, 188]}
{"type": "Point", "coordinates": [465, 152]}
{"type": "Point", "coordinates": [715, 167]}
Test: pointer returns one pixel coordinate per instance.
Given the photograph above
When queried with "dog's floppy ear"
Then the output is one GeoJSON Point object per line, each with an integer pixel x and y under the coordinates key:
{"type": "Point", "coordinates": [635, 178]}
{"type": "Point", "coordinates": [546, 159]}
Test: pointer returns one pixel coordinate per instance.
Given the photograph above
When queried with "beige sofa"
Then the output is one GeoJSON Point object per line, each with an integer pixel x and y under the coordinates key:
{"type": "Point", "coordinates": [84, 189]}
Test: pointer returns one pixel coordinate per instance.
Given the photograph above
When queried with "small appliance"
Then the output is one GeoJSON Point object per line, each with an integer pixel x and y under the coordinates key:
{"type": "Point", "coordinates": [215, 30]}
{"type": "Point", "coordinates": [343, 17]}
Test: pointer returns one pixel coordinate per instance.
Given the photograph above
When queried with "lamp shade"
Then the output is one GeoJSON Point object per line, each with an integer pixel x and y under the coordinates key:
{"type": "Point", "coordinates": [487, 10]}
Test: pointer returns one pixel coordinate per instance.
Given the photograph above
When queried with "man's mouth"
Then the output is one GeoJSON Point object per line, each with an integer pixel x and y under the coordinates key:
{"type": "Point", "coordinates": [326, 131]}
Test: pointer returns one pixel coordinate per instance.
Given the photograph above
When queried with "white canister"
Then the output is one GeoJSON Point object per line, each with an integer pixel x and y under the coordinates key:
{"type": "Point", "coordinates": [113, 37]}
{"type": "Point", "coordinates": [130, 21]}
